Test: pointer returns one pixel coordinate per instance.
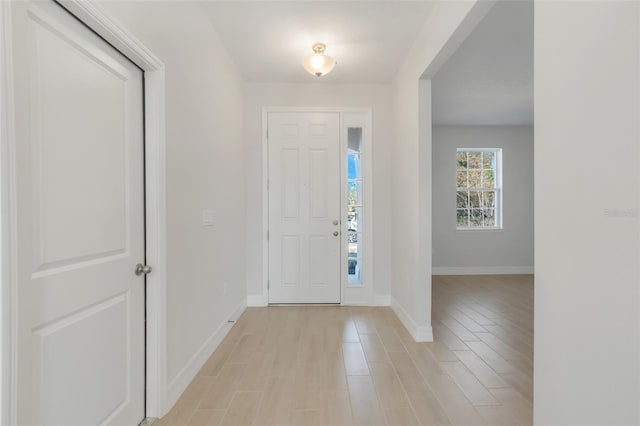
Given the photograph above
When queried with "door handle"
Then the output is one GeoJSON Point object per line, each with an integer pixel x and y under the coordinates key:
{"type": "Point", "coordinates": [336, 222]}
{"type": "Point", "coordinates": [336, 233]}
{"type": "Point", "coordinates": [143, 269]}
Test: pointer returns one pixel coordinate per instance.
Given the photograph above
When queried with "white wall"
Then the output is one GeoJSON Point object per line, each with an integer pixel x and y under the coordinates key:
{"type": "Point", "coordinates": [509, 250]}
{"type": "Point", "coordinates": [587, 324]}
{"type": "Point", "coordinates": [205, 170]}
{"type": "Point", "coordinates": [445, 29]}
{"type": "Point", "coordinates": [377, 97]}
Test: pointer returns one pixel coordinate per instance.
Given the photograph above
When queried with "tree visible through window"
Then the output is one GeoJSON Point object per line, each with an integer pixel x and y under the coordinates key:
{"type": "Point", "coordinates": [479, 185]}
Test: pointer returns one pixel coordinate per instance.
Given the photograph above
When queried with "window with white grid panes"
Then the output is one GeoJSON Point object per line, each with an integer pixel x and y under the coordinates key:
{"type": "Point", "coordinates": [354, 205]}
{"type": "Point", "coordinates": [479, 188]}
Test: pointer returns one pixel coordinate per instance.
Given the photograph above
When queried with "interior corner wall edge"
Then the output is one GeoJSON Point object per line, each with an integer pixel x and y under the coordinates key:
{"type": "Point", "coordinates": [411, 257]}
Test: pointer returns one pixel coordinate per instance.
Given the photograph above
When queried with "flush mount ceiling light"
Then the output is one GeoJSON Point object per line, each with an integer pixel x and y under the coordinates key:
{"type": "Point", "coordinates": [319, 64]}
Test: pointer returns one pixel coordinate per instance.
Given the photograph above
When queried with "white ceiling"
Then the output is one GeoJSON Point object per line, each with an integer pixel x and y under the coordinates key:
{"type": "Point", "coordinates": [268, 39]}
{"type": "Point", "coordinates": [489, 79]}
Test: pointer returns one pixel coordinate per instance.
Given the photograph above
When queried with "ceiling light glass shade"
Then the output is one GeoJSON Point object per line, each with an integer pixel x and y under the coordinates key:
{"type": "Point", "coordinates": [319, 64]}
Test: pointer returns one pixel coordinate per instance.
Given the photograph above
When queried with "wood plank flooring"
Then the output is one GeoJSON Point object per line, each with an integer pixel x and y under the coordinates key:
{"type": "Point", "coordinates": [333, 365]}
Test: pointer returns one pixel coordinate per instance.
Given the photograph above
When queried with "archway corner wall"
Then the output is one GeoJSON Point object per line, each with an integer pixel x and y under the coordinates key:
{"type": "Point", "coordinates": [449, 23]}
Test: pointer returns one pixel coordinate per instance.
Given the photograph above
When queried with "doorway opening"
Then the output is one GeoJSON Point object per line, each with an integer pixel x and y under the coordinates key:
{"type": "Point", "coordinates": [483, 206]}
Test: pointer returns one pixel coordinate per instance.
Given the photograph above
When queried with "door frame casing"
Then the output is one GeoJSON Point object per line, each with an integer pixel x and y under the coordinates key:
{"type": "Point", "coordinates": [362, 295]}
{"type": "Point", "coordinates": [94, 17]}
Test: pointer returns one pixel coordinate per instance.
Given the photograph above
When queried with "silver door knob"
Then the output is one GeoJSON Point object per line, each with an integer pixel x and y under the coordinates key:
{"type": "Point", "coordinates": [336, 233]}
{"type": "Point", "coordinates": [335, 222]}
{"type": "Point", "coordinates": [142, 269]}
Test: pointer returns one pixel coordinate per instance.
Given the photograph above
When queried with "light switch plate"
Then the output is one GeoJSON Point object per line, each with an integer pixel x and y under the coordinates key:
{"type": "Point", "coordinates": [208, 218]}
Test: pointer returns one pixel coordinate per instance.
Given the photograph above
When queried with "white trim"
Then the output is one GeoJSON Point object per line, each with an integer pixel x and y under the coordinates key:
{"type": "Point", "coordinates": [497, 189]}
{"type": "Point", "coordinates": [94, 16]}
{"type": "Point", "coordinates": [156, 253]}
{"type": "Point", "coordinates": [8, 230]}
{"type": "Point", "coordinates": [419, 333]}
{"type": "Point", "coordinates": [265, 206]}
{"type": "Point", "coordinates": [483, 270]}
{"type": "Point", "coordinates": [638, 264]}
{"type": "Point", "coordinates": [358, 294]}
{"type": "Point", "coordinates": [179, 383]}
{"type": "Point", "coordinates": [348, 302]}
{"type": "Point", "coordinates": [478, 229]}
{"type": "Point", "coordinates": [316, 109]}
{"type": "Point", "coordinates": [382, 300]}
{"type": "Point", "coordinates": [256, 300]}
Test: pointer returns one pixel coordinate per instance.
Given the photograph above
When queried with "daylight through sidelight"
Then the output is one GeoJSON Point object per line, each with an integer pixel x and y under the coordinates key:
{"type": "Point", "coordinates": [354, 205]}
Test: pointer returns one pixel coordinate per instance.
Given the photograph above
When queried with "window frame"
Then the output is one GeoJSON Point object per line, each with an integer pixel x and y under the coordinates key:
{"type": "Point", "coordinates": [359, 294]}
{"type": "Point", "coordinates": [498, 189]}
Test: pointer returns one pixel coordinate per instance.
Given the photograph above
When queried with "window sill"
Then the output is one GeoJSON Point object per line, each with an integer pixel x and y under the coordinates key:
{"type": "Point", "coordinates": [479, 229]}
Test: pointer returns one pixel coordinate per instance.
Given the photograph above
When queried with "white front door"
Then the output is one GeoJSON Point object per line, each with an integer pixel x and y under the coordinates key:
{"type": "Point", "coordinates": [304, 207]}
{"type": "Point", "coordinates": [80, 214]}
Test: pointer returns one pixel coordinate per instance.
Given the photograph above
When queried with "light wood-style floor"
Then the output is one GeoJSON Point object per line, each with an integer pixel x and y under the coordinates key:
{"type": "Point", "coordinates": [359, 366]}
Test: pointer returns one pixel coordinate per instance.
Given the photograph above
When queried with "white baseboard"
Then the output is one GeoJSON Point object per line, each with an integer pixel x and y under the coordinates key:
{"type": "Point", "coordinates": [382, 300]}
{"type": "Point", "coordinates": [237, 312]}
{"type": "Point", "coordinates": [178, 385]}
{"type": "Point", "coordinates": [378, 300]}
{"type": "Point", "coordinates": [483, 270]}
{"type": "Point", "coordinates": [256, 300]}
{"type": "Point", "coordinates": [347, 302]}
{"type": "Point", "coordinates": [419, 333]}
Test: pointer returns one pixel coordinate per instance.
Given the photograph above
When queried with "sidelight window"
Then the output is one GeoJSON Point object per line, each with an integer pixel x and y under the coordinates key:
{"type": "Point", "coordinates": [354, 205]}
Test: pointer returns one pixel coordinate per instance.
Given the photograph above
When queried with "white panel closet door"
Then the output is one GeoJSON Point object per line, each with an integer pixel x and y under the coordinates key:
{"type": "Point", "coordinates": [80, 198]}
{"type": "Point", "coordinates": [304, 207]}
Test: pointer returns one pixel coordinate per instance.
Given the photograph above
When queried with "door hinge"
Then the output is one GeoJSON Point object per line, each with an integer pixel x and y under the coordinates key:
{"type": "Point", "coordinates": [267, 284]}
{"type": "Point", "coordinates": [267, 184]}
{"type": "Point", "coordinates": [267, 133]}
{"type": "Point", "coordinates": [267, 235]}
